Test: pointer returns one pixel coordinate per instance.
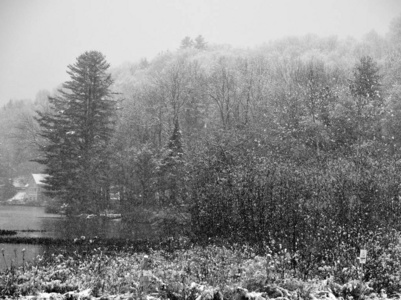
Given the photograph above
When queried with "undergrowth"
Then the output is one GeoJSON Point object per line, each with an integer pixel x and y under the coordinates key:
{"type": "Point", "coordinates": [175, 274]}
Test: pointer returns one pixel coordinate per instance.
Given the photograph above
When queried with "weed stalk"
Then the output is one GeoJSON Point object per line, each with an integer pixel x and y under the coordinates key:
{"type": "Point", "coordinates": [23, 259]}
{"type": "Point", "coordinates": [4, 258]}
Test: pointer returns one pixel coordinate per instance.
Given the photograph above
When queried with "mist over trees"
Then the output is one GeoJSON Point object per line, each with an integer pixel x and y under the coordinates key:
{"type": "Point", "coordinates": [293, 143]}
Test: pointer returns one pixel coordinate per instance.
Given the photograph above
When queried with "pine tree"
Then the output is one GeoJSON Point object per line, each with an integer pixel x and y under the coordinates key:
{"type": "Point", "coordinates": [172, 167]}
{"type": "Point", "coordinates": [366, 81]}
{"type": "Point", "coordinates": [8, 189]}
{"type": "Point", "coordinates": [186, 43]}
{"type": "Point", "coordinates": [365, 89]}
{"type": "Point", "coordinates": [174, 146]}
{"type": "Point", "coordinates": [200, 43]}
{"type": "Point", "coordinates": [77, 131]}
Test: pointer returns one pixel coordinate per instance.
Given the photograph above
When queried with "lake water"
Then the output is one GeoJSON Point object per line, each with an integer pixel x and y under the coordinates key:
{"type": "Point", "coordinates": [34, 222]}
{"type": "Point", "coordinates": [29, 221]}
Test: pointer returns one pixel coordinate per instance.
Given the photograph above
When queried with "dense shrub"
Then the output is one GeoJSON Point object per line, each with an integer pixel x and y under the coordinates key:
{"type": "Point", "coordinates": [321, 212]}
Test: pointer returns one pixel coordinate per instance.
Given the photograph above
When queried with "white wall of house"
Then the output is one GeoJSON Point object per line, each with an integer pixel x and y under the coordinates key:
{"type": "Point", "coordinates": [35, 190]}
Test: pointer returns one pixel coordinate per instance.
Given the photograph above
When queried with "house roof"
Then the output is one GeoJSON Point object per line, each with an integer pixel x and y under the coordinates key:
{"type": "Point", "coordinates": [19, 182]}
{"type": "Point", "coordinates": [39, 178]}
{"type": "Point", "coordinates": [18, 197]}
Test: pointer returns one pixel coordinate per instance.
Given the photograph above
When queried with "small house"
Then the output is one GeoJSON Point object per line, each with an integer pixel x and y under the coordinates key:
{"type": "Point", "coordinates": [36, 188]}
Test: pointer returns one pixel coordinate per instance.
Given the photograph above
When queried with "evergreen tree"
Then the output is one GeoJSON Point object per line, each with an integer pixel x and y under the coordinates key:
{"type": "Point", "coordinates": [77, 131]}
{"type": "Point", "coordinates": [366, 81]}
{"type": "Point", "coordinates": [187, 42]}
{"type": "Point", "coordinates": [200, 42]}
{"type": "Point", "coordinates": [174, 145]}
{"type": "Point", "coordinates": [366, 91]}
{"type": "Point", "coordinates": [8, 189]}
{"type": "Point", "coordinates": [394, 33]}
{"type": "Point", "coordinates": [172, 167]}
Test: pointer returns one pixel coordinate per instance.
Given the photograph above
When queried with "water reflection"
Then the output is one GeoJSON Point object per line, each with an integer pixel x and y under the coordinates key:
{"type": "Point", "coordinates": [25, 218]}
{"type": "Point", "coordinates": [34, 222]}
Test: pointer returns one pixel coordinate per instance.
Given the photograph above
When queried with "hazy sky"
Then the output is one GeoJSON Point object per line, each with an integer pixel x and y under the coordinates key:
{"type": "Point", "coordinates": [39, 38]}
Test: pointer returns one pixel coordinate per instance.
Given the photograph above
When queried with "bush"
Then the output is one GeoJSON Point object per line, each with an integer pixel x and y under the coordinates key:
{"type": "Point", "coordinates": [322, 211]}
{"type": "Point", "coordinates": [383, 267]}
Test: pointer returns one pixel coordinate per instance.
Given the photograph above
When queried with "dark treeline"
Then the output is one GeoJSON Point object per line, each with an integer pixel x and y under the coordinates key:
{"type": "Point", "coordinates": [294, 144]}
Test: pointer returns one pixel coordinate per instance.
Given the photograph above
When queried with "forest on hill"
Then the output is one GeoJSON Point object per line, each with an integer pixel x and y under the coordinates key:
{"type": "Point", "coordinates": [292, 143]}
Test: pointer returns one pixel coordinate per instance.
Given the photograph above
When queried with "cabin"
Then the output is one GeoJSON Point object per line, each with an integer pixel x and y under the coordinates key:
{"type": "Point", "coordinates": [36, 188]}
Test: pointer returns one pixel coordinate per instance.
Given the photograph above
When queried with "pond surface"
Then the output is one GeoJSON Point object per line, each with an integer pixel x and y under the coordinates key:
{"type": "Point", "coordinates": [29, 221]}
{"type": "Point", "coordinates": [34, 222]}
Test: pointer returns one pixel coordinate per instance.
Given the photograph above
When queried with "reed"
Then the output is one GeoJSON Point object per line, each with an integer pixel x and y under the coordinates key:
{"type": "Point", "coordinates": [4, 258]}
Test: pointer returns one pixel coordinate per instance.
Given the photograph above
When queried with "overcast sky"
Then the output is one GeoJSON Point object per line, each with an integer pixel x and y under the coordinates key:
{"type": "Point", "coordinates": [39, 38]}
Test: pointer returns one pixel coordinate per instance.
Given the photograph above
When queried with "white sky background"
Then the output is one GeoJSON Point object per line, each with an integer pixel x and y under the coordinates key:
{"type": "Point", "coordinates": [39, 38]}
